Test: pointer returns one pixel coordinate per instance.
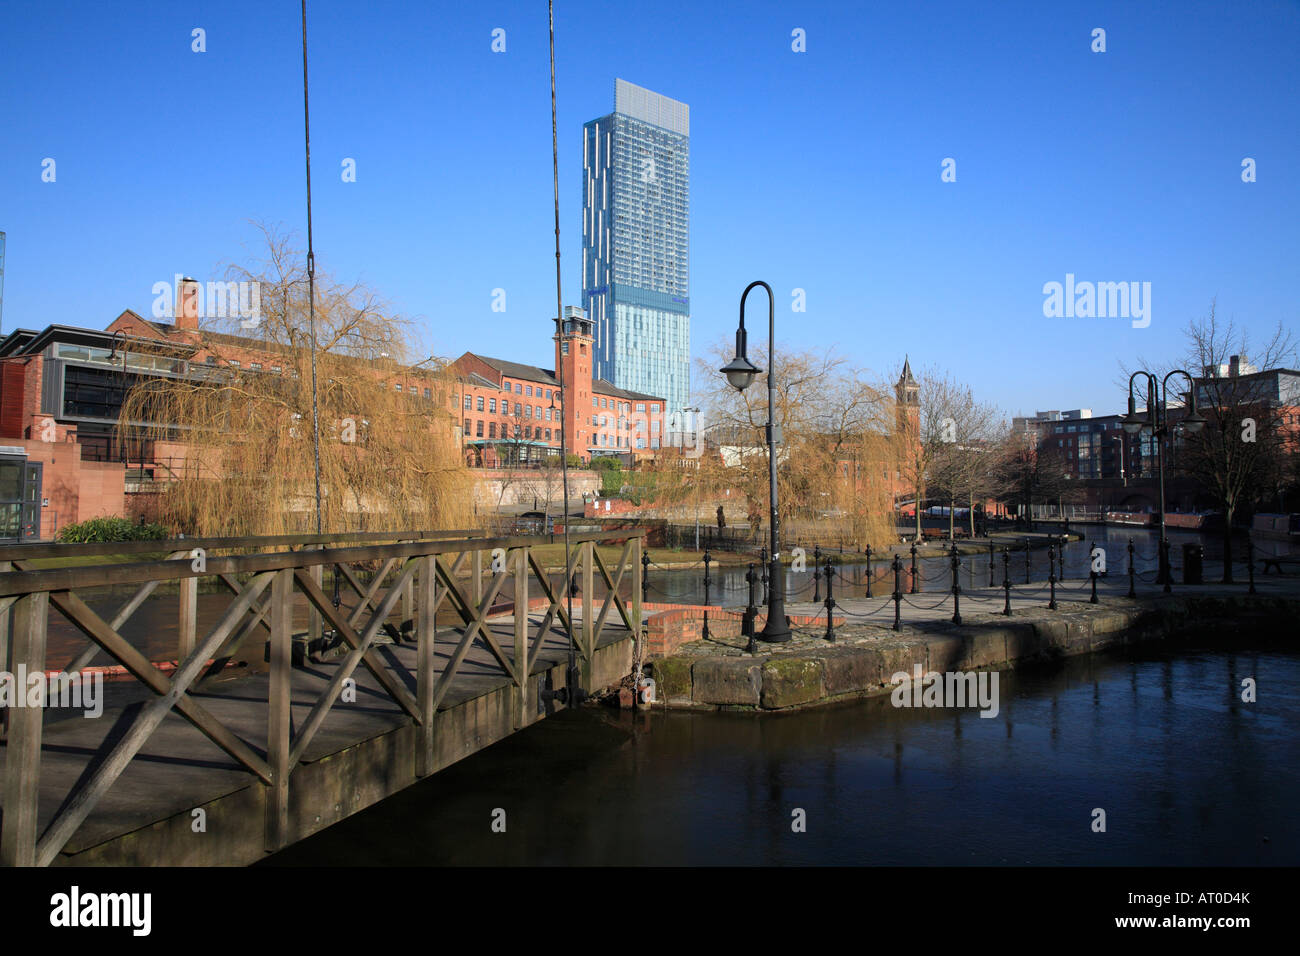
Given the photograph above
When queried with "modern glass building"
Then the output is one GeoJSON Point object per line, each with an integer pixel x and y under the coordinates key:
{"type": "Point", "coordinates": [635, 243]}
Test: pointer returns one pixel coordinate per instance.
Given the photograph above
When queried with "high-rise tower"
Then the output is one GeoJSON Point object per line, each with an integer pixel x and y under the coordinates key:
{"type": "Point", "coordinates": [635, 243]}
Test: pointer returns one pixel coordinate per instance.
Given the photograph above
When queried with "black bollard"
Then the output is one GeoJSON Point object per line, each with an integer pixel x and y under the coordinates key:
{"type": "Point", "coordinates": [817, 574]}
{"type": "Point", "coordinates": [1006, 580]}
{"type": "Point", "coordinates": [751, 611]}
{"type": "Point", "coordinates": [868, 550]}
{"type": "Point", "coordinates": [707, 559]}
{"type": "Point", "coordinates": [898, 588]}
{"type": "Point", "coordinates": [830, 601]}
{"type": "Point", "coordinates": [1132, 573]}
{"type": "Point", "coordinates": [956, 586]}
{"type": "Point", "coordinates": [1026, 560]}
{"type": "Point", "coordinates": [645, 574]}
{"type": "Point", "coordinates": [914, 577]}
{"type": "Point", "coordinates": [762, 553]}
{"type": "Point", "coordinates": [991, 584]}
{"type": "Point", "coordinates": [1092, 570]}
{"type": "Point", "coordinates": [1051, 576]}
{"type": "Point", "coordinates": [1168, 567]}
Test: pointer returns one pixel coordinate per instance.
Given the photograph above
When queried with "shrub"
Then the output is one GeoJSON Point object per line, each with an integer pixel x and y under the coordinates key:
{"type": "Point", "coordinates": [98, 530]}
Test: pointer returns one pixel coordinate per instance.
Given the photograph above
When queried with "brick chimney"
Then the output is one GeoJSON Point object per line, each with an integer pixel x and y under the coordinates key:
{"type": "Point", "coordinates": [189, 302]}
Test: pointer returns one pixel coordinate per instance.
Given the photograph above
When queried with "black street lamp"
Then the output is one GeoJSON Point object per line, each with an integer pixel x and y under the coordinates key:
{"type": "Point", "coordinates": [740, 372]}
{"type": "Point", "coordinates": [1156, 418]}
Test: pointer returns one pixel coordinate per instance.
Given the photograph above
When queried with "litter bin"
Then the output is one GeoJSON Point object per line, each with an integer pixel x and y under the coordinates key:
{"type": "Point", "coordinates": [1192, 557]}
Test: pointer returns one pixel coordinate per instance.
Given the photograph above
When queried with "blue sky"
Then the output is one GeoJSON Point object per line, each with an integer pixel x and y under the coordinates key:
{"type": "Point", "coordinates": [817, 170]}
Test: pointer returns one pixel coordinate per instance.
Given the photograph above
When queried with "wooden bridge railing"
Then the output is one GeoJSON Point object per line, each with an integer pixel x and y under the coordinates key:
{"type": "Point", "coordinates": [422, 571]}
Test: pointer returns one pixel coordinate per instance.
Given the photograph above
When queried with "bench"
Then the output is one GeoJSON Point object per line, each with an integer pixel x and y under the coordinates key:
{"type": "Point", "coordinates": [1277, 561]}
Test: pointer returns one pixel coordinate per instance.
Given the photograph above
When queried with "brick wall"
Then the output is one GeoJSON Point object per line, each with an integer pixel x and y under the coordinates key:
{"type": "Point", "coordinates": [672, 625]}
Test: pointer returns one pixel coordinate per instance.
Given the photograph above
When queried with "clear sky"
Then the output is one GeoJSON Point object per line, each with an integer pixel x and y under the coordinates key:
{"type": "Point", "coordinates": [817, 170]}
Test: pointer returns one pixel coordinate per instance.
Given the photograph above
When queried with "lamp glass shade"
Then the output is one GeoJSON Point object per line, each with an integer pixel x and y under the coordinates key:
{"type": "Point", "coordinates": [740, 372]}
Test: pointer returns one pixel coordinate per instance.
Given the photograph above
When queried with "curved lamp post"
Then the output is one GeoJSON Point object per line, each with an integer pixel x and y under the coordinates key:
{"type": "Point", "coordinates": [740, 372]}
{"type": "Point", "coordinates": [1156, 419]}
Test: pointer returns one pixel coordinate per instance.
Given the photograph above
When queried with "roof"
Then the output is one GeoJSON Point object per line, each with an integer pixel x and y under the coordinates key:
{"type": "Point", "coordinates": [906, 378]}
{"type": "Point", "coordinates": [534, 373]}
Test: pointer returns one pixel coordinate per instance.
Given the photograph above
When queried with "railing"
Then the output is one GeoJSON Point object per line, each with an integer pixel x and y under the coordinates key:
{"type": "Point", "coordinates": [420, 571]}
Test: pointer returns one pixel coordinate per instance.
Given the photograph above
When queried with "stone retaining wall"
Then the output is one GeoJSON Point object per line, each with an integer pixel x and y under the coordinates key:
{"type": "Point", "coordinates": [861, 663]}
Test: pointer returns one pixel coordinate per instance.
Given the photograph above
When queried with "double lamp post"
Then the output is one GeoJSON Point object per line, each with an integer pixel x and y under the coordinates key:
{"type": "Point", "coordinates": [1156, 420]}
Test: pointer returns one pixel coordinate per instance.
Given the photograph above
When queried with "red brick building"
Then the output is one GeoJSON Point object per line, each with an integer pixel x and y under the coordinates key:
{"type": "Point", "coordinates": [511, 413]}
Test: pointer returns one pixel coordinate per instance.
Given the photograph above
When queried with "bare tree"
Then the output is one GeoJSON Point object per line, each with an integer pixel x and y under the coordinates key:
{"type": "Point", "coordinates": [1240, 454]}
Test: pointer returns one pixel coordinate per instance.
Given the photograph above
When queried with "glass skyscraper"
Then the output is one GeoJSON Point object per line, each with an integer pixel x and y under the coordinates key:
{"type": "Point", "coordinates": [636, 171]}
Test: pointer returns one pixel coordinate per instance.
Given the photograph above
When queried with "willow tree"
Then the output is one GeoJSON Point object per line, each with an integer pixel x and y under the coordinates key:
{"type": "Point", "coordinates": [241, 421]}
{"type": "Point", "coordinates": [836, 459]}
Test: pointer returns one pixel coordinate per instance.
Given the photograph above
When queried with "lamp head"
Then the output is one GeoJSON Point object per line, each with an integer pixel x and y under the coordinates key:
{"type": "Point", "coordinates": [740, 371]}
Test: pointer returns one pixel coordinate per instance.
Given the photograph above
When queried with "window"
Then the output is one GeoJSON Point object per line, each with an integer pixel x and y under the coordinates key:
{"type": "Point", "coordinates": [397, 387]}
{"type": "Point", "coordinates": [528, 390]}
{"type": "Point", "coordinates": [505, 386]}
{"type": "Point", "coordinates": [478, 431]}
{"type": "Point", "coordinates": [468, 402]}
{"type": "Point", "coordinates": [640, 406]}
{"type": "Point", "coordinates": [478, 404]}
{"type": "Point", "coordinates": [548, 393]}
{"type": "Point", "coordinates": [518, 389]}
{"type": "Point", "coordinates": [528, 411]}
{"type": "Point", "coordinates": [256, 366]}
{"type": "Point", "coordinates": [492, 405]}
{"type": "Point", "coordinates": [564, 347]}
{"type": "Point", "coordinates": [528, 431]}
{"type": "Point", "coordinates": [467, 426]}
{"type": "Point", "coordinates": [548, 434]}
{"type": "Point", "coordinates": [276, 369]}
{"type": "Point", "coordinates": [210, 360]}
{"type": "Point", "coordinates": [537, 409]}
{"type": "Point", "coordinates": [604, 403]}
{"type": "Point", "coordinates": [594, 404]}
{"type": "Point", "coordinates": [234, 364]}
{"type": "Point", "coordinates": [518, 411]}
{"type": "Point", "coordinates": [492, 429]}
{"type": "Point", "coordinates": [427, 393]}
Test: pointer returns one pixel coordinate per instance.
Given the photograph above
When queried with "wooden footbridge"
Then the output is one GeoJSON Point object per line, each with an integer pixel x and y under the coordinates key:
{"type": "Point", "coordinates": [260, 733]}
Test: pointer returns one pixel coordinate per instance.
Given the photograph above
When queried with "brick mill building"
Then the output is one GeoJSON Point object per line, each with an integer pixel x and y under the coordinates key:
{"type": "Point", "coordinates": [62, 390]}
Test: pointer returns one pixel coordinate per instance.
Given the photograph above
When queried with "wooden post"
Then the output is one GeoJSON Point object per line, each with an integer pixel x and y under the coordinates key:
{"type": "Point", "coordinates": [23, 752]}
{"type": "Point", "coordinates": [188, 623]}
{"type": "Point", "coordinates": [476, 573]}
{"type": "Point", "coordinates": [278, 716]}
{"type": "Point", "coordinates": [636, 595]}
{"type": "Point", "coordinates": [588, 606]}
{"type": "Point", "coordinates": [425, 679]}
{"type": "Point", "coordinates": [314, 619]}
{"type": "Point", "coordinates": [521, 635]}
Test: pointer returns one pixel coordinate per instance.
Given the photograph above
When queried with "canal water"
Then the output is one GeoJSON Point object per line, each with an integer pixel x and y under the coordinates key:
{"type": "Point", "coordinates": [1160, 740]}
